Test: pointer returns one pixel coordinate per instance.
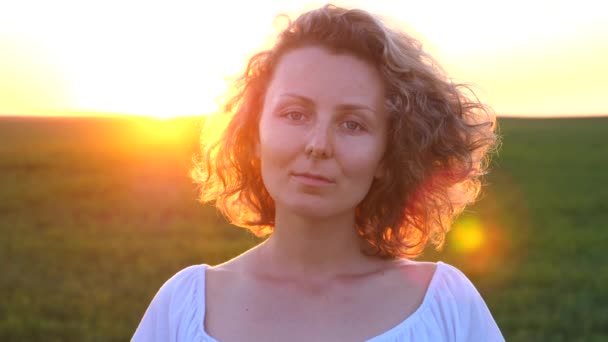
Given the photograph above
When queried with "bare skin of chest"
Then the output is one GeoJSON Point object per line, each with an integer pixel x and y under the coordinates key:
{"type": "Point", "coordinates": [245, 309]}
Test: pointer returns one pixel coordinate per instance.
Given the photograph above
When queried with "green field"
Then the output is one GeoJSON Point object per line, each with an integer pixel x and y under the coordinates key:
{"type": "Point", "coordinates": [95, 214]}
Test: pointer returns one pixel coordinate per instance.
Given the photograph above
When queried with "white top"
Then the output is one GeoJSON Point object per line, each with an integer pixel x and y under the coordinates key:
{"type": "Point", "coordinates": [452, 310]}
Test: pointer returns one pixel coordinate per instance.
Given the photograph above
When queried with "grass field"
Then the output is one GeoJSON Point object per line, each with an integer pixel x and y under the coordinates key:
{"type": "Point", "coordinates": [95, 214]}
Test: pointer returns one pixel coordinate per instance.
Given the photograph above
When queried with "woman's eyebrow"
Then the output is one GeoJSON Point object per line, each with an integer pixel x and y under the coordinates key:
{"type": "Point", "coordinates": [341, 107]}
{"type": "Point", "coordinates": [355, 107]}
{"type": "Point", "coordinates": [301, 98]}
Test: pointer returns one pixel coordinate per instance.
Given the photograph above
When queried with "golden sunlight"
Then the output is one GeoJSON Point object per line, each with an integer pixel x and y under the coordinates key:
{"type": "Point", "coordinates": [161, 132]}
{"type": "Point", "coordinates": [156, 59]}
{"type": "Point", "coordinates": [166, 59]}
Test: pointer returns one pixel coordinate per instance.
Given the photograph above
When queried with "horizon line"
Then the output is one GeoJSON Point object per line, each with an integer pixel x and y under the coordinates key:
{"type": "Point", "coordinates": [103, 114]}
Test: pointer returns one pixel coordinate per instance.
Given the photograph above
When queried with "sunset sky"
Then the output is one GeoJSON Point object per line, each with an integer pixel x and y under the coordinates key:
{"type": "Point", "coordinates": [170, 58]}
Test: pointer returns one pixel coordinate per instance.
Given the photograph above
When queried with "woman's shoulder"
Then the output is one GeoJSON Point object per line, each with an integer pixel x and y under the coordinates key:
{"type": "Point", "coordinates": [176, 309]}
{"type": "Point", "coordinates": [451, 284]}
{"type": "Point", "coordinates": [451, 308]}
{"type": "Point", "coordinates": [451, 277]}
{"type": "Point", "coordinates": [457, 305]}
{"type": "Point", "coordinates": [186, 282]}
{"type": "Point", "coordinates": [438, 283]}
{"type": "Point", "coordinates": [438, 276]}
{"type": "Point", "coordinates": [187, 285]}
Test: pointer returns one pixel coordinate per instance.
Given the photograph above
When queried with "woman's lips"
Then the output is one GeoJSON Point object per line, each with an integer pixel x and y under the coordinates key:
{"type": "Point", "coordinates": [312, 179]}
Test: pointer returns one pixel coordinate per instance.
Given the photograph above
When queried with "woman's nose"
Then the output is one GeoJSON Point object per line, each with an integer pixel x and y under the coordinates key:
{"type": "Point", "coordinates": [320, 144]}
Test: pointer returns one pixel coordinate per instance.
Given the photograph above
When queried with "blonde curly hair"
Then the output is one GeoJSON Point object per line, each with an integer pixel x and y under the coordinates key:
{"type": "Point", "coordinates": [440, 137]}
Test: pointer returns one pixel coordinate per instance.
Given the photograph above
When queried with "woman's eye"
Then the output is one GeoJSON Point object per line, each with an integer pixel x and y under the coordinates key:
{"type": "Point", "coordinates": [353, 125]}
{"type": "Point", "coordinates": [295, 116]}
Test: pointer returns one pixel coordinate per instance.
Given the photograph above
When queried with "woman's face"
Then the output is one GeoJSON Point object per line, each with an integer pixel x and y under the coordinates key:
{"type": "Point", "coordinates": [322, 132]}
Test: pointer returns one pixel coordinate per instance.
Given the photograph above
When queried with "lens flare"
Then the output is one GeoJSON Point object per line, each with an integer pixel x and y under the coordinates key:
{"type": "Point", "coordinates": [468, 235]}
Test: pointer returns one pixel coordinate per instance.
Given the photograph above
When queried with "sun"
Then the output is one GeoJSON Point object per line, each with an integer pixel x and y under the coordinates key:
{"type": "Point", "coordinates": [158, 60]}
{"type": "Point", "coordinates": [166, 59]}
{"type": "Point", "coordinates": [144, 82]}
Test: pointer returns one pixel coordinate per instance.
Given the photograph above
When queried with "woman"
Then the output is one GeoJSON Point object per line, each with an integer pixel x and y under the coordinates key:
{"type": "Point", "coordinates": [350, 147]}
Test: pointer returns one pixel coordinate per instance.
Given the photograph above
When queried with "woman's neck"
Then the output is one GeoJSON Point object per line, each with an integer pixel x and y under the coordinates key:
{"type": "Point", "coordinates": [307, 248]}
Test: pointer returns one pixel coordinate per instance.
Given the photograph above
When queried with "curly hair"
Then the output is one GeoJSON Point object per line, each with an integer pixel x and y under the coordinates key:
{"type": "Point", "coordinates": [440, 136]}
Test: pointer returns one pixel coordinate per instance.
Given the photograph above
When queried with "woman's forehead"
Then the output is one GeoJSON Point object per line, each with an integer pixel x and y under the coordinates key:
{"type": "Point", "coordinates": [317, 72]}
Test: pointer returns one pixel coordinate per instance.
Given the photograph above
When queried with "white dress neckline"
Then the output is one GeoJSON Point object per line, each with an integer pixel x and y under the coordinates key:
{"type": "Point", "coordinates": [409, 320]}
